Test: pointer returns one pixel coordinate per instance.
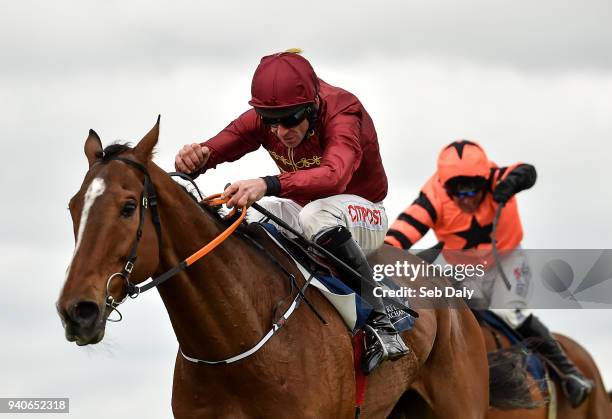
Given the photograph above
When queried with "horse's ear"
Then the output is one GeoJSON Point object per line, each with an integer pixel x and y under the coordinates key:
{"type": "Point", "coordinates": [93, 147]}
{"type": "Point", "coordinates": [144, 148]}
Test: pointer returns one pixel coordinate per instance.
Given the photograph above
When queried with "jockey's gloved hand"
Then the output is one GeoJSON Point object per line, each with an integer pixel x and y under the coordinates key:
{"type": "Point", "coordinates": [504, 191]}
{"type": "Point", "coordinates": [520, 178]}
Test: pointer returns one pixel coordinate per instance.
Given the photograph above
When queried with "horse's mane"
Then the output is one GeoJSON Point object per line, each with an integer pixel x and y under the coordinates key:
{"type": "Point", "coordinates": [214, 211]}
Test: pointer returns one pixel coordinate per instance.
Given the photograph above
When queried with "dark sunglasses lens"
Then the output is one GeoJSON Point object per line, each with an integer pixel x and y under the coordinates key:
{"type": "Point", "coordinates": [462, 192]}
{"type": "Point", "coordinates": [287, 121]}
{"type": "Point", "coordinates": [269, 121]}
{"type": "Point", "coordinates": [292, 121]}
{"type": "Point", "coordinates": [464, 186]}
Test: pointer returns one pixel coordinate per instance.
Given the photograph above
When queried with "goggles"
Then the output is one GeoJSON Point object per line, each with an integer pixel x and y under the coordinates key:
{"type": "Point", "coordinates": [465, 187]}
{"type": "Point", "coordinates": [288, 118]}
{"type": "Point", "coordinates": [464, 194]}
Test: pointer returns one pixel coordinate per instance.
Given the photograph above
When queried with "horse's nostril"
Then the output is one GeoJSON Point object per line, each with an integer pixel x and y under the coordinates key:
{"type": "Point", "coordinates": [85, 313]}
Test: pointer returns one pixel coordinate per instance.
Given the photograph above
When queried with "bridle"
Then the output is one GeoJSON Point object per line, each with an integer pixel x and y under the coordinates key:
{"type": "Point", "coordinates": [148, 199]}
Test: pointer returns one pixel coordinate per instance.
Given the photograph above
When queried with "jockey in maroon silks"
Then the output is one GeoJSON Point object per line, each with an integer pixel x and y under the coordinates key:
{"type": "Point", "coordinates": [331, 183]}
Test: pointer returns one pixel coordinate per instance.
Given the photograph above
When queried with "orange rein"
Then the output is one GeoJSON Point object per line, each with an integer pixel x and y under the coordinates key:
{"type": "Point", "coordinates": [214, 200]}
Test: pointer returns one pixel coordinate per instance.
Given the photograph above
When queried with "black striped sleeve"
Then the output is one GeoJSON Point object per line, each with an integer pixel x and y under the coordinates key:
{"type": "Point", "coordinates": [426, 204]}
{"type": "Point", "coordinates": [419, 226]}
{"type": "Point", "coordinates": [401, 238]}
{"type": "Point", "coordinates": [495, 176]}
{"type": "Point", "coordinates": [499, 171]}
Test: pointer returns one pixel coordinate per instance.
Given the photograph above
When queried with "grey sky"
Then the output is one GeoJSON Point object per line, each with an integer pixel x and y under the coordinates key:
{"type": "Point", "coordinates": [531, 83]}
{"type": "Point", "coordinates": [73, 37]}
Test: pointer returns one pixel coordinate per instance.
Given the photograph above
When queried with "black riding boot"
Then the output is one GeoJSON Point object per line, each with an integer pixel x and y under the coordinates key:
{"type": "Point", "coordinates": [575, 385]}
{"type": "Point", "coordinates": [382, 340]}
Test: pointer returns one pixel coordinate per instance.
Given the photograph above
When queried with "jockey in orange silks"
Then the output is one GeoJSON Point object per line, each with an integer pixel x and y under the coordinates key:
{"type": "Point", "coordinates": [459, 203]}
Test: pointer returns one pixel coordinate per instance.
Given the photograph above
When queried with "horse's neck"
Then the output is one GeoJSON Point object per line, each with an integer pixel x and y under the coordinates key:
{"type": "Point", "coordinates": [221, 302]}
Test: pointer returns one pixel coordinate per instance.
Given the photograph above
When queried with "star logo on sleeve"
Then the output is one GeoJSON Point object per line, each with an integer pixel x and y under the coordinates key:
{"type": "Point", "coordinates": [476, 234]}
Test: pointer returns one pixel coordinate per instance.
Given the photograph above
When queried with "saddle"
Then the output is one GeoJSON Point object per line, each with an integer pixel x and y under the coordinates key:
{"type": "Point", "coordinates": [535, 365]}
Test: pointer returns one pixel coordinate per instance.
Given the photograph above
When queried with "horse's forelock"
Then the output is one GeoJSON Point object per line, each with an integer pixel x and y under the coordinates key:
{"type": "Point", "coordinates": [112, 150]}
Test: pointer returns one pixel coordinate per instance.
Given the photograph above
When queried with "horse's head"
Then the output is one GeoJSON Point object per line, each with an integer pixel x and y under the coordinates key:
{"type": "Point", "coordinates": [106, 215]}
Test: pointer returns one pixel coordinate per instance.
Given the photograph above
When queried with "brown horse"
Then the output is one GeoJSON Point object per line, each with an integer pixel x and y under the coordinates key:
{"type": "Point", "coordinates": [222, 305]}
{"type": "Point", "coordinates": [597, 406]}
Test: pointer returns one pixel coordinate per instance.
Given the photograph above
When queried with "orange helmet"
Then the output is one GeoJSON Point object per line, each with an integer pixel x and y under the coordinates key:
{"type": "Point", "coordinates": [283, 80]}
{"type": "Point", "coordinates": [462, 158]}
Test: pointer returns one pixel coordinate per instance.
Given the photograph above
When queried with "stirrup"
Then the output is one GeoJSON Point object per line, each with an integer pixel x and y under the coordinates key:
{"type": "Point", "coordinates": [385, 354]}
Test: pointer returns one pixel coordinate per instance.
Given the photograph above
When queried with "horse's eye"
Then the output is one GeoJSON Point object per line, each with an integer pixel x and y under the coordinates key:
{"type": "Point", "coordinates": [128, 209]}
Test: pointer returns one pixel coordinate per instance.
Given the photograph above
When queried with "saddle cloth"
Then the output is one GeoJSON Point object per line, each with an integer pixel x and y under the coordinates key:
{"type": "Point", "coordinates": [351, 307]}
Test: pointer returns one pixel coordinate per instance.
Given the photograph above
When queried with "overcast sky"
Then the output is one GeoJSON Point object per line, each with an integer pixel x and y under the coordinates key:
{"type": "Point", "coordinates": [530, 83]}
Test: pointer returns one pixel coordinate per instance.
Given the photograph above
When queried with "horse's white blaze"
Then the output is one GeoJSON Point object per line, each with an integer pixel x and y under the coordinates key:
{"type": "Point", "coordinates": [95, 189]}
